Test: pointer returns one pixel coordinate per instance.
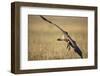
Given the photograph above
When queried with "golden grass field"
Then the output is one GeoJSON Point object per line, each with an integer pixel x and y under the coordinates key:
{"type": "Point", "coordinates": [42, 37]}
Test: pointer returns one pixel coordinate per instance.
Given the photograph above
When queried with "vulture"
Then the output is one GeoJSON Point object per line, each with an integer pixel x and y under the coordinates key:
{"type": "Point", "coordinates": [67, 38]}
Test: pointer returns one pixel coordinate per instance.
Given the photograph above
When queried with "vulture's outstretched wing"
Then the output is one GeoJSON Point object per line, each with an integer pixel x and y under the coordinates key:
{"type": "Point", "coordinates": [52, 23]}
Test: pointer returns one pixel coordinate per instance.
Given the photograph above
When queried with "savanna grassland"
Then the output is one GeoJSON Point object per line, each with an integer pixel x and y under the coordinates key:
{"type": "Point", "coordinates": [42, 37]}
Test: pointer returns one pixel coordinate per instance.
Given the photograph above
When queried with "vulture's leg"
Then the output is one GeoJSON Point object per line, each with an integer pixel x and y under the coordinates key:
{"type": "Point", "coordinates": [68, 46]}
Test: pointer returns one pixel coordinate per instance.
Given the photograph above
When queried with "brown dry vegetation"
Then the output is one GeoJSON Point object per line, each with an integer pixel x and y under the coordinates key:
{"type": "Point", "coordinates": [42, 37]}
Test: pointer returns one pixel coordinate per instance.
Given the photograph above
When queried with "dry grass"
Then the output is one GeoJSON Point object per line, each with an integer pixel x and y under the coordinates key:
{"type": "Point", "coordinates": [42, 37]}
